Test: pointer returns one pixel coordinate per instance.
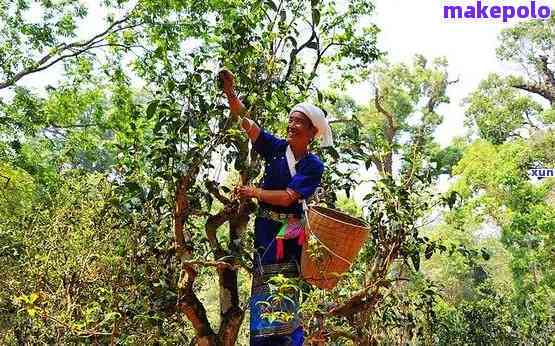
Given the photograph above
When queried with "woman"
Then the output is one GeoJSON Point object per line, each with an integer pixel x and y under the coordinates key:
{"type": "Point", "coordinates": [291, 175]}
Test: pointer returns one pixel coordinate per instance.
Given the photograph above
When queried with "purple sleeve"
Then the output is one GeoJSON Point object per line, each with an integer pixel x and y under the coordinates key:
{"type": "Point", "coordinates": [308, 178]}
{"type": "Point", "coordinates": [267, 144]}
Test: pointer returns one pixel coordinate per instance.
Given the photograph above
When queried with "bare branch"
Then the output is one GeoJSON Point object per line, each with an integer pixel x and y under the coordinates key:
{"type": "Point", "coordinates": [339, 121]}
{"type": "Point", "coordinates": [191, 306]}
{"type": "Point", "coordinates": [212, 187]}
{"type": "Point", "coordinates": [547, 74]}
{"type": "Point", "coordinates": [216, 264]}
{"type": "Point", "coordinates": [296, 51]}
{"type": "Point", "coordinates": [388, 115]}
{"type": "Point", "coordinates": [211, 227]}
{"type": "Point", "coordinates": [537, 89]}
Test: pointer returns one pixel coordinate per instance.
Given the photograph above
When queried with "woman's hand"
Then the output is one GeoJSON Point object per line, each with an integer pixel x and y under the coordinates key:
{"type": "Point", "coordinates": [228, 82]}
{"type": "Point", "coordinates": [228, 85]}
{"type": "Point", "coordinates": [236, 106]}
{"type": "Point", "coordinates": [282, 198]}
{"type": "Point", "coordinates": [247, 191]}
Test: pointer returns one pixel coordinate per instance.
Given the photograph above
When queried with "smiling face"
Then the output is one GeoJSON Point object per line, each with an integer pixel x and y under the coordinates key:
{"type": "Point", "coordinates": [300, 129]}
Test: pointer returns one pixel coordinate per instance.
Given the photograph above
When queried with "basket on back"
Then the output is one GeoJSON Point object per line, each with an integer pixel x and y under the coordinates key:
{"type": "Point", "coordinates": [333, 241]}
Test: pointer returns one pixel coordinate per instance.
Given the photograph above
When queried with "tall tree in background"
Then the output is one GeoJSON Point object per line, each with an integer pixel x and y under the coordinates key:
{"type": "Point", "coordinates": [514, 118]}
{"type": "Point", "coordinates": [506, 107]}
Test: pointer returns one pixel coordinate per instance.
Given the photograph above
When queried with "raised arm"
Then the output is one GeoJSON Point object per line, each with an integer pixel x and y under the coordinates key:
{"type": "Point", "coordinates": [276, 197]}
{"type": "Point", "coordinates": [237, 108]}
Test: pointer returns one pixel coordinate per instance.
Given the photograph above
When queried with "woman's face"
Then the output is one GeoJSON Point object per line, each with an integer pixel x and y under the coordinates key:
{"type": "Point", "coordinates": [300, 128]}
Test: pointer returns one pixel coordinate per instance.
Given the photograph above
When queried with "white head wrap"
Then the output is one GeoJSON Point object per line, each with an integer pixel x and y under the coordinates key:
{"type": "Point", "coordinates": [316, 116]}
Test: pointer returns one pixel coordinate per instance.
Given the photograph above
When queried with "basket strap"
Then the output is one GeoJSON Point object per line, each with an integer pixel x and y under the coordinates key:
{"type": "Point", "coordinates": [305, 210]}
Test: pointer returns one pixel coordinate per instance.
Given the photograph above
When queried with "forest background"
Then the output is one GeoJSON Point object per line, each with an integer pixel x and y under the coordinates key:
{"type": "Point", "coordinates": [117, 223]}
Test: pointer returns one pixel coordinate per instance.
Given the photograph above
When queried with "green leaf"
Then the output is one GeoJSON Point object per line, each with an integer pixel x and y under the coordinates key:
{"type": "Point", "coordinates": [452, 199]}
{"type": "Point", "coordinates": [368, 163]}
{"type": "Point", "coordinates": [271, 4]}
{"type": "Point", "coordinates": [485, 254]}
{"type": "Point", "coordinates": [151, 109]}
{"type": "Point", "coordinates": [32, 312]}
{"type": "Point", "coordinates": [283, 15]}
{"type": "Point", "coordinates": [113, 315]}
{"type": "Point", "coordinates": [33, 297]}
{"type": "Point", "coordinates": [293, 41]}
{"type": "Point", "coordinates": [313, 45]}
{"type": "Point", "coordinates": [171, 86]}
{"type": "Point", "coordinates": [315, 16]}
{"type": "Point", "coordinates": [429, 251]}
{"type": "Point", "coordinates": [333, 153]}
{"type": "Point", "coordinates": [320, 96]}
{"type": "Point", "coordinates": [415, 259]}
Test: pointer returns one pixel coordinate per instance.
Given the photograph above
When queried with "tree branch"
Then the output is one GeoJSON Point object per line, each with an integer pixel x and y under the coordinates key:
{"type": "Point", "coordinates": [339, 121]}
{"type": "Point", "coordinates": [192, 307]}
{"type": "Point", "coordinates": [547, 93]}
{"type": "Point", "coordinates": [357, 304]}
{"type": "Point", "coordinates": [211, 228]}
{"type": "Point", "coordinates": [389, 131]}
{"type": "Point", "coordinates": [215, 264]}
{"type": "Point", "coordinates": [182, 239]}
{"type": "Point", "coordinates": [296, 51]}
{"type": "Point", "coordinates": [547, 74]}
{"type": "Point", "coordinates": [212, 187]}
{"type": "Point", "coordinates": [187, 301]}
{"type": "Point", "coordinates": [75, 48]}
{"type": "Point", "coordinates": [69, 126]}
{"type": "Point", "coordinates": [388, 115]}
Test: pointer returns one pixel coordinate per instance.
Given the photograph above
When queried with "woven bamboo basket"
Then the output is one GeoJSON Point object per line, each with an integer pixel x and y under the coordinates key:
{"type": "Point", "coordinates": [333, 241]}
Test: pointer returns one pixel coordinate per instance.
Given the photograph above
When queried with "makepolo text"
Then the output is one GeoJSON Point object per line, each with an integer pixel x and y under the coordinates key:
{"type": "Point", "coordinates": [480, 11]}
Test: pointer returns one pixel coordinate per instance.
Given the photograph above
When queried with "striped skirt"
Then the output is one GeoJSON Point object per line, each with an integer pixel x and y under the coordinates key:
{"type": "Point", "coordinates": [262, 331]}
